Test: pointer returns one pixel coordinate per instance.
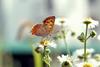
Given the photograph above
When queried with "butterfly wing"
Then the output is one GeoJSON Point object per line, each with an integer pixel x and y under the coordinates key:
{"type": "Point", "coordinates": [35, 29]}
{"type": "Point", "coordinates": [49, 23]}
{"type": "Point", "coordinates": [45, 28]}
{"type": "Point", "coordinates": [39, 30]}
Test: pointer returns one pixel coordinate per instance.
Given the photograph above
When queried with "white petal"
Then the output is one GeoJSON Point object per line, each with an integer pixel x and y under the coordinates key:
{"type": "Point", "coordinates": [52, 44]}
{"type": "Point", "coordinates": [98, 37]}
{"type": "Point", "coordinates": [60, 59]}
{"type": "Point", "coordinates": [41, 46]}
{"type": "Point", "coordinates": [58, 21]}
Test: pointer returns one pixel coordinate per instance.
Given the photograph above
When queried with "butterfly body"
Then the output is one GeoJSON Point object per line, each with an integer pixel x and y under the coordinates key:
{"type": "Point", "coordinates": [44, 29]}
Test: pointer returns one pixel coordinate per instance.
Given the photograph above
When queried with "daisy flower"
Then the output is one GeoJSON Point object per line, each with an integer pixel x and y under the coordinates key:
{"type": "Point", "coordinates": [92, 23]}
{"type": "Point", "coordinates": [78, 54]}
{"type": "Point", "coordinates": [90, 63]}
{"type": "Point", "coordinates": [40, 46]}
{"type": "Point", "coordinates": [60, 21]}
{"type": "Point", "coordinates": [47, 43]}
{"type": "Point", "coordinates": [97, 57]}
{"type": "Point", "coordinates": [52, 44]}
{"type": "Point", "coordinates": [87, 65]}
{"type": "Point", "coordinates": [69, 26]}
{"type": "Point", "coordinates": [65, 60]}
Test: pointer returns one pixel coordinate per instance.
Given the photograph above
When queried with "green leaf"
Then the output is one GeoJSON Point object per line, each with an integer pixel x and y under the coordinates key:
{"type": "Point", "coordinates": [47, 59]}
{"type": "Point", "coordinates": [93, 34]}
{"type": "Point", "coordinates": [81, 37]}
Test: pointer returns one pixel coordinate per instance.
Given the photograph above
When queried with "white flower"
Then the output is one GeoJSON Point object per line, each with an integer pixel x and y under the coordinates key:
{"type": "Point", "coordinates": [62, 21]}
{"type": "Point", "coordinates": [65, 61]}
{"type": "Point", "coordinates": [48, 43]}
{"type": "Point", "coordinates": [64, 58]}
{"type": "Point", "coordinates": [90, 63]}
{"type": "Point", "coordinates": [41, 46]}
{"type": "Point", "coordinates": [80, 52]}
{"type": "Point", "coordinates": [97, 57]}
{"type": "Point", "coordinates": [92, 23]}
{"type": "Point", "coordinates": [70, 25]}
{"type": "Point", "coordinates": [67, 25]}
{"type": "Point", "coordinates": [98, 37]}
{"type": "Point", "coordinates": [58, 21]}
{"type": "Point", "coordinates": [98, 64]}
{"type": "Point", "coordinates": [52, 44]}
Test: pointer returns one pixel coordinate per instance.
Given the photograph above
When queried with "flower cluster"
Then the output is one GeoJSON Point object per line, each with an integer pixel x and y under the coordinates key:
{"type": "Point", "coordinates": [91, 61]}
{"type": "Point", "coordinates": [84, 36]}
{"type": "Point", "coordinates": [76, 60]}
{"type": "Point", "coordinates": [44, 50]}
{"type": "Point", "coordinates": [81, 57]}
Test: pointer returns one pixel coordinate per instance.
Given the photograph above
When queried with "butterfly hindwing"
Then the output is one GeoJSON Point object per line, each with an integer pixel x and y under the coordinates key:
{"type": "Point", "coordinates": [35, 28]}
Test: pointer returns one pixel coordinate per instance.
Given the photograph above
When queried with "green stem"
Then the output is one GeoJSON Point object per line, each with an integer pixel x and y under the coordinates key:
{"type": "Point", "coordinates": [88, 37]}
{"type": "Point", "coordinates": [85, 56]}
{"type": "Point", "coordinates": [44, 50]}
{"type": "Point", "coordinates": [45, 64]}
{"type": "Point", "coordinates": [44, 55]}
{"type": "Point", "coordinates": [64, 38]}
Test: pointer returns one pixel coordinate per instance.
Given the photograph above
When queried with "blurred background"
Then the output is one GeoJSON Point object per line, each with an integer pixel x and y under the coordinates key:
{"type": "Point", "coordinates": [18, 16]}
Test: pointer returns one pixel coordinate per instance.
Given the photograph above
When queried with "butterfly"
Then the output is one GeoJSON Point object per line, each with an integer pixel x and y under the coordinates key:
{"type": "Point", "coordinates": [45, 28]}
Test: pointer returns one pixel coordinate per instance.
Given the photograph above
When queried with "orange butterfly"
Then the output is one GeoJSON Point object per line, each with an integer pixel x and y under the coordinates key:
{"type": "Point", "coordinates": [44, 29]}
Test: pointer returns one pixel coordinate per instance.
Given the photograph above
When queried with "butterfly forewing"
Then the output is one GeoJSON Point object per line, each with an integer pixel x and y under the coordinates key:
{"type": "Point", "coordinates": [49, 23]}
{"type": "Point", "coordinates": [45, 28]}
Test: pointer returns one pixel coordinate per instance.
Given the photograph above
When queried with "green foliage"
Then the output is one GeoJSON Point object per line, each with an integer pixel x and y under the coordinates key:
{"type": "Point", "coordinates": [81, 37]}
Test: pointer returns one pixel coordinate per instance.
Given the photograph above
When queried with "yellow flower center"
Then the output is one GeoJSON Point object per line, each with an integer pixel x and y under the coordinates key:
{"type": "Point", "coordinates": [87, 65]}
{"type": "Point", "coordinates": [87, 20]}
{"type": "Point", "coordinates": [44, 42]}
